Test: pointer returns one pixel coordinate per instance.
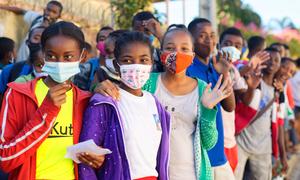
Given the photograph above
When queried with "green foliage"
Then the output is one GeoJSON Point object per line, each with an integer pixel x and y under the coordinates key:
{"type": "Point", "coordinates": [293, 44]}
{"type": "Point", "coordinates": [124, 10]}
{"type": "Point", "coordinates": [235, 10]}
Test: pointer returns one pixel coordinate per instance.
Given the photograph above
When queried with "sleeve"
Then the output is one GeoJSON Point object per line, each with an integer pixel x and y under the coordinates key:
{"type": "Point", "coordinates": [239, 82]}
{"type": "Point", "coordinates": [4, 76]}
{"type": "Point", "coordinates": [208, 127]}
{"type": "Point", "coordinates": [289, 93]}
{"type": "Point", "coordinates": [164, 148]}
{"type": "Point", "coordinates": [150, 85]}
{"type": "Point", "coordinates": [30, 16]}
{"type": "Point", "coordinates": [95, 124]}
{"type": "Point", "coordinates": [17, 145]}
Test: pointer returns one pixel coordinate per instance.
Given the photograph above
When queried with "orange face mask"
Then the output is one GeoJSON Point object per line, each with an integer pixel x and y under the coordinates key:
{"type": "Point", "coordinates": [176, 62]}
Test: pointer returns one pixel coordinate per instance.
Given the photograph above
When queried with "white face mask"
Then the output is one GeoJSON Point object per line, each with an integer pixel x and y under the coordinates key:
{"type": "Point", "coordinates": [39, 74]}
{"type": "Point", "coordinates": [234, 53]}
{"type": "Point", "coordinates": [110, 65]}
{"type": "Point", "coordinates": [135, 76]}
{"type": "Point", "coordinates": [61, 71]}
{"type": "Point", "coordinates": [12, 60]}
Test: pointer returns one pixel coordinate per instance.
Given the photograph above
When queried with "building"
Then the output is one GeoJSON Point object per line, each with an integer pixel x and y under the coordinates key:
{"type": "Point", "coordinates": [183, 11]}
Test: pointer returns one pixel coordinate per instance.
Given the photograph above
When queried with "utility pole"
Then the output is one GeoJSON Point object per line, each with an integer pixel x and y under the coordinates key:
{"type": "Point", "coordinates": [183, 11]}
{"type": "Point", "coordinates": [167, 10]}
{"type": "Point", "coordinates": [208, 9]}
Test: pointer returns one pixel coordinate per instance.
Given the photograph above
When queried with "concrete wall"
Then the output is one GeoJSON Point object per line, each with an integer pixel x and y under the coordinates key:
{"type": "Point", "coordinates": [90, 15]}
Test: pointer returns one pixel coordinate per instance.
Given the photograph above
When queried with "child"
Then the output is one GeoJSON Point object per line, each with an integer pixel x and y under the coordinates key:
{"type": "Point", "coordinates": [107, 69]}
{"type": "Point", "coordinates": [7, 52]}
{"type": "Point", "coordinates": [255, 139]}
{"type": "Point", "coordinates": [191, 106]}
{"type": "Point", "coordinates": [136, 129]}
{"type": "Point", "coordinates": [41, 118]}
{"type": "Point", "coordinates": [36, 60]}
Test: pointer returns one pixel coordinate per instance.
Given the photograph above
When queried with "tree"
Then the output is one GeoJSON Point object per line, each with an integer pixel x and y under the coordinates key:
{"type": "Point", "coordinates": [235, 10]}
{"type": "Point", "coordinates": [124, 10]}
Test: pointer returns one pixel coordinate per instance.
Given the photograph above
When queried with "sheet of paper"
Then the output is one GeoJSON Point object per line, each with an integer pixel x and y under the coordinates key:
{"type": "Point", "coordinates": [88, 146]}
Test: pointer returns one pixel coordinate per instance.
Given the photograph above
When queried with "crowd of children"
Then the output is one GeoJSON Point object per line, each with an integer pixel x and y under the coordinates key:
{"type": "Point", "coordinates": [197, 107]}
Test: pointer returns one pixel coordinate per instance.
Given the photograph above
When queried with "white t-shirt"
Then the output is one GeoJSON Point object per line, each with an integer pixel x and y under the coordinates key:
{"type": "Point", "coordinates": [183, 111]}
{"type": "Point", "coordinates": [142, 132]}
{"type": "Point", "coordinates": [29, 17]}
{"type": "Point", "coordinates": [229, 117]}
{"type": "Point", "coordinates": [295, 82]}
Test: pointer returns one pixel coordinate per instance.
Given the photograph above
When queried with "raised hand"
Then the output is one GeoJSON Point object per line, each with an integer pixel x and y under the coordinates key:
{"type": "Point", "coordinates": [222, 62]}
{"type": "Point", "coordinates": [279, 85]}
{"type": "Point", "coordinates": [258, 59]}
{"type": "Point", "coordinates": [254, 77]}
{"type": "Point", "coordinates": [154, 27]}
{"type": "Point", "coordinates": [221, 91]}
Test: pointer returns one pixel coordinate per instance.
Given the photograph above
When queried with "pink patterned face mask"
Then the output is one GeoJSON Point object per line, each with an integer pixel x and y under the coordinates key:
{"type": "Point", "coordinates": [101, 47]}
{"type": "Point", "coordinates": [135, 76]}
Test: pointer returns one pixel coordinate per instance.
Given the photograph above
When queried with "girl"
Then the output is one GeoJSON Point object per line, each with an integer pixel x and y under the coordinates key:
{"type": "Point", "coordinates": [135, 129]}
{"type": "Point", "coordinates": [37, 62]}
{"type": "Point", "coordinates": [41, 118]}
{"type": "Point", "coordinates": [191, 105]}
{"type": "Point", "coordinates": [107, 69]}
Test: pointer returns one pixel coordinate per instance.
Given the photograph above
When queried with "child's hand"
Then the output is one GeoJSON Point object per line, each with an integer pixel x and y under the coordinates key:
{"type": "Point", "coordinates": [92, 160]}
{"type": "Point", "coordinates": [57, 94]}
{"type": "Point", "coordinates": [219, 92]}
{"type": "Point", "coordinates": [258, 59]}
{"type": "Point", "coordinates": [279, 85]}
{"type": "Point", "coordinates": [222, 62]}
{"type": "Point", "coordinates": [154, 27]}
{"type": "Point", "coordinates": [107, 88]}
{"type": "Point", "coordinates": [253, 78]}
{"type": "Point", "coordinates": [284, 165]}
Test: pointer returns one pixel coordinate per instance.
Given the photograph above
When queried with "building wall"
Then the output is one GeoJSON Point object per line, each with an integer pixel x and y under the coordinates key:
{"type": "Point", "coordinates": [90, 15]}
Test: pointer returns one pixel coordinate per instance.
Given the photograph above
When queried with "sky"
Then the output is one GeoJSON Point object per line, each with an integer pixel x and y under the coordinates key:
{"type": "Point", "coordinates": [278, 9]}
{"type": "Point", "coordinates": [267, 9]}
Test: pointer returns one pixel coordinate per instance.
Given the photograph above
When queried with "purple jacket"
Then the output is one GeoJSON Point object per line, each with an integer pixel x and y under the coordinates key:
{"type": "Point", "coordinates": [103, 124]}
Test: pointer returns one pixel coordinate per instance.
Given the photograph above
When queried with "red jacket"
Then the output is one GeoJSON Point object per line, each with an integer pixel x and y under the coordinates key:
{"type": "Point", "coordinates": [24, 126]}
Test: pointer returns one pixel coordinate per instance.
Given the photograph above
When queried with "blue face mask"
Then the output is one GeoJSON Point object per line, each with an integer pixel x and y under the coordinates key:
{"type": "Point", "coordinates": [151, 38]}
{"type": "Point", "coordinates": [61, 71]}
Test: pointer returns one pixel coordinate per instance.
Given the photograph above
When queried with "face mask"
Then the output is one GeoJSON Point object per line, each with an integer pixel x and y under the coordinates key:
{"type": "Point", "coordinates": [33, 46]}
{"type": "Point", "coordinates": [61, 71]}
{"type": "Point", "coordinates": [101, 47]}
{"type": "Point", "coordinates": [110, 65]}
{"type": "Point", "coordinates": [234, 53]}
{"type": "Point", "coordinates": [39, 74]}
{"type": "Point", "coordinates": [135, 75]}
{"type": "Point", "coordinates": [177, 62]}
{"type": "Point", "coordinates": [151, 38]}
{"type": "Point", "coordinates": [12, 60]}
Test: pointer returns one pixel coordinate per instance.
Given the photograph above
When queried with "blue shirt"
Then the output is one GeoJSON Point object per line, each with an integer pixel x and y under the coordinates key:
{"type": "Point", "coordinates": [208, 74]}
{"type": "Point", "coordinates": [5, 75]}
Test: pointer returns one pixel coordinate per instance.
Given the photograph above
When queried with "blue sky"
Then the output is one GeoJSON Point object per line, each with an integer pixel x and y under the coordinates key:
{"type": "Point", "coordinates": [269, 9]}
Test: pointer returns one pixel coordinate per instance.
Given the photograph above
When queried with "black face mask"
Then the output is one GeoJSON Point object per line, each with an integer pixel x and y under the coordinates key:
{"type": "Point", "coordinates": [33, 46]}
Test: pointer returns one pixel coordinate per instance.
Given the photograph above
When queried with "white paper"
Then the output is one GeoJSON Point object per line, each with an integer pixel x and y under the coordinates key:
{"type": "Point", "coordinates": [88, 146]}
